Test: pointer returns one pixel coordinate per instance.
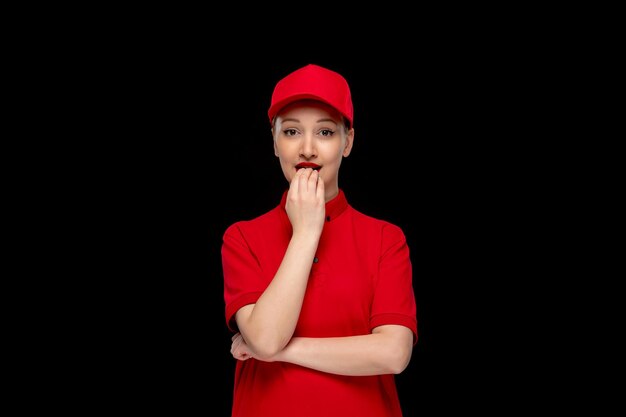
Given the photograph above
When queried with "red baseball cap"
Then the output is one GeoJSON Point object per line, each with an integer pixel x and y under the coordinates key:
{"type": "Point", "coordinates": [313, 82]}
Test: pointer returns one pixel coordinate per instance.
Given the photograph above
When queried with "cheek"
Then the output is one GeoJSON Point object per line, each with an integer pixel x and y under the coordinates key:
{"type": "Point", "coordinates": [283, 150]}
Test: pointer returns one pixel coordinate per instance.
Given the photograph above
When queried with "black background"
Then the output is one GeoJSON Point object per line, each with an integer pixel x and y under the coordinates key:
{"type": "Point", "coordinates": [186, 150]}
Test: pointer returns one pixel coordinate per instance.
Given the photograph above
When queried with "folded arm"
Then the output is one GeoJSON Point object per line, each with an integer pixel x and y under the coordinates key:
{"type": "Point", "coordinates": [268, 325]}
{"type": "Point", "coordinates": [387, 350]}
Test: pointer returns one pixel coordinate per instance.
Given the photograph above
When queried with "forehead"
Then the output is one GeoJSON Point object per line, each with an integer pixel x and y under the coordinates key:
{"type": "Point", "coordinates": [313, 108]}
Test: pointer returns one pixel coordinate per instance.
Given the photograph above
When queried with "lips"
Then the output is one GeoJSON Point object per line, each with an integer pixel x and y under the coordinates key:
{"type": "Point", "coordinates": [308, 165]}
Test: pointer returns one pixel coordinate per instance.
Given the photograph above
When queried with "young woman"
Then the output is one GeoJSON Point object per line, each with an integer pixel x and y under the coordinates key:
{"type": "Point", "coordinates": [319, 296]}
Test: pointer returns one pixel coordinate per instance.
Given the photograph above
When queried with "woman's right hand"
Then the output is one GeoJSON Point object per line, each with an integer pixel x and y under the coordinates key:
{"type": "Point", "coordinates": [306, 203]}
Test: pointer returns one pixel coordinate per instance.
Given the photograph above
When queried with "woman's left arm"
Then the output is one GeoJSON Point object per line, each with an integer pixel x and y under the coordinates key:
{"type": "Point", "coordinates": [387, 350]}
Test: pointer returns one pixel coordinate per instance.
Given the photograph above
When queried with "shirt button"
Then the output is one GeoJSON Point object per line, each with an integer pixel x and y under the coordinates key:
{"type": "Point", "coordinates": [315, 260]}
{"type": "Point", "coordinates": [327, 218]}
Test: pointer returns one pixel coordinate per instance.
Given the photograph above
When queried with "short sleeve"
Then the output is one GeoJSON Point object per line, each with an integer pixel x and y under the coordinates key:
{"type": "Point", "coordinates": [394, 298]}
{"type": "Point", "coordinates": [242, 274]}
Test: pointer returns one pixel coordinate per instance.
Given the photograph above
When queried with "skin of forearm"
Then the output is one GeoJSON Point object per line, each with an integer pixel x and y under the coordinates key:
{"type": "Point", "coordinates": [373, 354]}
{"type": "Point", "coordinates": [269, 325]}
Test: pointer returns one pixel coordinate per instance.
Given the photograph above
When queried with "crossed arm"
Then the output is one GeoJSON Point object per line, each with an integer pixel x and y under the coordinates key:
{"type": "Point", "coordinates": [387, 350]}
{"type": "Point", "coordinates": [266, 328]}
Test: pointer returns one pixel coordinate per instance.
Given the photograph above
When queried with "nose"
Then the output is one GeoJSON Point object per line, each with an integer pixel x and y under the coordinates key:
{"type": "Point", "coordinates": [308, 149]}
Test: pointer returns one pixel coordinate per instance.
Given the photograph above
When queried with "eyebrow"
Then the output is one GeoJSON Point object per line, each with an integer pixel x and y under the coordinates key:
{"type": "Point", "coordinates": [318, 121]}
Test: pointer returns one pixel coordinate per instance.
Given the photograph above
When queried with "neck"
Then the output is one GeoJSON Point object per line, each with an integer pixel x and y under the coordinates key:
{"type": "Point", "coordinates": [330, 194]}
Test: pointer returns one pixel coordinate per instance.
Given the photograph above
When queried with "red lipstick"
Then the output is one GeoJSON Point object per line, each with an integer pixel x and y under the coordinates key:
{"type": "Point", "coordinates": [308, 165]}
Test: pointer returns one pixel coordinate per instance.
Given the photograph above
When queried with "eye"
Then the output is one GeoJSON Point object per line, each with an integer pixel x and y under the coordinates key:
{"type": "Point", "coordinates": [290, 132]}
{"type": "Point", "coordinates": [327, 132]}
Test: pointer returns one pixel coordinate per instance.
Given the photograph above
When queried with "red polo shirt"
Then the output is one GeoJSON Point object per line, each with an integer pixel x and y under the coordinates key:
{"type": "Point", "coordinates": [361, 278]}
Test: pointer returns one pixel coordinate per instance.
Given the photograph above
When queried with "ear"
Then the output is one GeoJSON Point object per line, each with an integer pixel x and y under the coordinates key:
{"type": "Point", "coordinates": [275, 148]}
{"type": "Point", "coordinates": [349, 142]}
